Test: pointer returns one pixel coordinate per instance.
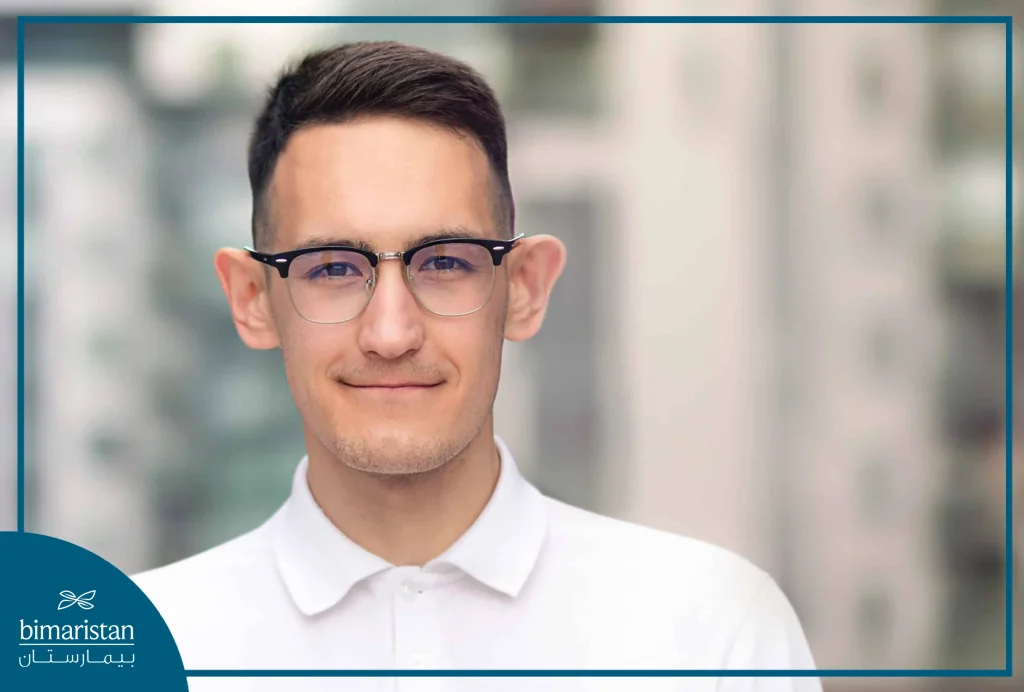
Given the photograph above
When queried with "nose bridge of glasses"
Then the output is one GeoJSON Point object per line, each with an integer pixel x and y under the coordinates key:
{"type": "Point", "coordinates": [384, 256]}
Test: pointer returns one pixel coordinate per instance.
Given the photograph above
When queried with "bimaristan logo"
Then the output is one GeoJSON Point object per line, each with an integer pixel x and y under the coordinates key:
{"type": "Point", "coordinates": [77, 643]}
{"type": "Point", "coordinates": [71, 599]}
{"type": "Point", "coordinates": [73, 621]}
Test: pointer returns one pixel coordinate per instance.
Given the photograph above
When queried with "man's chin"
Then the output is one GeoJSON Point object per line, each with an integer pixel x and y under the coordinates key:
{"type": "Point", "coordinates": [393, 453]}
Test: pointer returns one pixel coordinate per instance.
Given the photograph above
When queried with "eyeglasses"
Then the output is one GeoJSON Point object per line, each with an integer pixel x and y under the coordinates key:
{"type": "Point", "coordinates": [331, 284]}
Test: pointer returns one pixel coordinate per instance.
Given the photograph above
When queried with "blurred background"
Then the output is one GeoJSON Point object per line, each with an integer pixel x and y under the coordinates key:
{"type": "Point", "coordinates": [782, 327]}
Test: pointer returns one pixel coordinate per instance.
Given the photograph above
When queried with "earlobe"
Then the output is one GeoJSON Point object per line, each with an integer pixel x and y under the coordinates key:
{"type": "Point", "coordinates": [246, 290]}
{"type": "Point", "coordinates": [534, 268]}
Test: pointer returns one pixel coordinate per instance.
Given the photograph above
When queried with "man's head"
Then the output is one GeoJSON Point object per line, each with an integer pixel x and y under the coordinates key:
{"type": "Point", "coordinates": [379, 146]}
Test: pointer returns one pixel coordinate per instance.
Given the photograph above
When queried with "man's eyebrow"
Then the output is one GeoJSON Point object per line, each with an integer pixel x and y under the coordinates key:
{"type": "Point", "coordinates": [440, 234]}
{"type": "Point", "coordinates": [324, 241]}
{"type": "Point", "coordinates": [445, 234]}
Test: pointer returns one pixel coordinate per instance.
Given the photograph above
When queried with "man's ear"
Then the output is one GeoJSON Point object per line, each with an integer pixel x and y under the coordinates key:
{"type": "Point", "coordinates": [534, 267]}
{"type": "Point", "coordinates": [244, 283]}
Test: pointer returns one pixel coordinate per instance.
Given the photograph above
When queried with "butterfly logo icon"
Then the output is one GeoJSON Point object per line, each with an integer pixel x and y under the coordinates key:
{"type": "Point", "coordinates": [70, 599]}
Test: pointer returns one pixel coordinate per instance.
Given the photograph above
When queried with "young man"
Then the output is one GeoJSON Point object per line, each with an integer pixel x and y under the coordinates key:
{"type": "Point", "coordinates": [387, 271]}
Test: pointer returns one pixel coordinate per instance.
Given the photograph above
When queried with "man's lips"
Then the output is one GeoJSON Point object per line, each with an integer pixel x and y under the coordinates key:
{"type": "Point", "coordinates": [391, 392]}
{"type": "Point", "coordinates": [392, 385]}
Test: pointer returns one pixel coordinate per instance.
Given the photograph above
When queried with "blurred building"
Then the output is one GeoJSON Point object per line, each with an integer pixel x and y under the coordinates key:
{"type": "Point", "coordinates": [8, 302]}
{"type": "Point", "coordinates": [970, 133]}
{"type": "Point", "coordinates": [859, 442]}
{"type": "Point", "coordinates": [89, 243]}
{"type": "Point", "coordinates": [784, 250]}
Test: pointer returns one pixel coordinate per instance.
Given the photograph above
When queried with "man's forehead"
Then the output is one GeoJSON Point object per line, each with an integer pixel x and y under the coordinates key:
{"type": "Point", "coordinates": [380, 193]}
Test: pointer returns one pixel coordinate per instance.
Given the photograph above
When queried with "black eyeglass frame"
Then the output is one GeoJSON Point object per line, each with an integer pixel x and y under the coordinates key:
{"type": "Point", "coordinates": [281, 261]}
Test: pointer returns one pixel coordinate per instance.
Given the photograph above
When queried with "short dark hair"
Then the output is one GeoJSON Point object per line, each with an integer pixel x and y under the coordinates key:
{"type": "Point", "coordinates": [377, 78]}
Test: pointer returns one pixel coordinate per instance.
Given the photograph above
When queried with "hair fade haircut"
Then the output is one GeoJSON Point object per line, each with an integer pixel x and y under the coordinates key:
{"type": "Point", "coordinates": [355, 80]}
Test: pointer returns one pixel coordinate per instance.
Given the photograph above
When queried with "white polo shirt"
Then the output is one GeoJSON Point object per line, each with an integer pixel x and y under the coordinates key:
{"type": "Point", "coordinates": [533, 584]}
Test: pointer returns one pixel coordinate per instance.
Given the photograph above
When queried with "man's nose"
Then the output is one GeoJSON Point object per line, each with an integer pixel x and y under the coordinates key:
{"type": "Point", "coordinates": [391, 325]}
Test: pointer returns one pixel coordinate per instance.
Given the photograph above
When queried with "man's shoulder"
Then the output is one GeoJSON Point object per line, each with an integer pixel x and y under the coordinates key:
{"type": "Point", "coordinates": [611, 546]}
{"type": "Point", "coordinates": [709, 603]}
{"type": "Point", "coordinates": [211, 575]}
{"type": "Point", "coordinates": [608, 535]}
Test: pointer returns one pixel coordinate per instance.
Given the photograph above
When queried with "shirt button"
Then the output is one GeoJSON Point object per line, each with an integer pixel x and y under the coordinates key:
{"type": "Point", "coordinates": [410, 591]}
{"type": "Point", "coordinates": [419, 660]}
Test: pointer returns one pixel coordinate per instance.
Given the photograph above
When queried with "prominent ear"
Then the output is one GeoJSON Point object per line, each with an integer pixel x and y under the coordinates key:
{"type": "Point", "coordinates": [244, 282]}
{"type": "Point", "coordinates": [534, 267]}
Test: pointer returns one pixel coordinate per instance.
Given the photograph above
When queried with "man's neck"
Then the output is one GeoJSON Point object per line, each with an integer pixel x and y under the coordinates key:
{"type": "Point", "coordinates": [409, 519]}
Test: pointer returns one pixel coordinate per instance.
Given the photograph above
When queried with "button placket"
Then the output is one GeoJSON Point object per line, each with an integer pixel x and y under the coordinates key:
{"type": "Point", "coordinates": [412, 626]}
{"type": "Point", "coordinates": [417, 632]}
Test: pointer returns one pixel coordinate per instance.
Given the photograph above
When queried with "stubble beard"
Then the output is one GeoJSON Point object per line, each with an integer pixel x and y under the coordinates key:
{"type": "Point", "coordinates": [392, 455]}
{"type": "Point", "coordinates": [398, 453]}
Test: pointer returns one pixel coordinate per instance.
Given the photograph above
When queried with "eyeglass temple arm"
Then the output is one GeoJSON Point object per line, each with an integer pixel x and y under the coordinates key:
{"type": "Point", "coordinates": [498, 253]}
{"type": "Point", "coordinates": [278, 263]}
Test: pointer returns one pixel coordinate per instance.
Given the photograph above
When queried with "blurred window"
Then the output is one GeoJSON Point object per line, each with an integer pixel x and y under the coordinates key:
{"type": "Point", "coordinates": [874, 622]}
{"type": "Point", "coordinates": [564, 357]}
{"type": "Point", "coordinates": [109, 447]}
{"type": "Point", "coordinates": [701, 82]}
{"type": "Point", "coordinates": [872, 83]}
{"type": "Point", "coordinates": [8, 39]}
{"type": "Point", "coordinates": [883, 347]}
{"type": "Point", "coordinates": [32, 181]}
{"type": "Point", "coordinates": [106, 348]}
{"type": "Point", "coordinates": [553, 68]}
{"type": "Point", "coordinates": [67, 44]}
{"type": "Point", "coordinates": [875, 488]}
{"type": "Point", "coordinates": [881, 209]}
{"type": "Point", "coordinates": [240, 435]}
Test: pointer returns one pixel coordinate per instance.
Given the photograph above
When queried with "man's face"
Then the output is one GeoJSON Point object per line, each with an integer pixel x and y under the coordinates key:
{"type": "Point", "coordinates": [387, 182]}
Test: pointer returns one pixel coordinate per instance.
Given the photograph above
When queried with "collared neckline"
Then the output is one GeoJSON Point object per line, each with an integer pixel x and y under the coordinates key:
{"type": "Point", "coordinates": [501, 548]}
{"type": "Point", "coordinates": [319, 564]}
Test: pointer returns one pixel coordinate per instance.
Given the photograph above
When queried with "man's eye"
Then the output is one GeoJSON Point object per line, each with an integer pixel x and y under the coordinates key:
{"type": "Point", "coordinates": [441, 263]}
{"type": "Point", "coordinates": [334, 270]}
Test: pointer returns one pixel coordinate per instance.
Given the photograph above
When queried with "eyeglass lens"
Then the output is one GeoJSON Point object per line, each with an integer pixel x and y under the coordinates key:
{"type": "Point", "coordinates": [334, 286]}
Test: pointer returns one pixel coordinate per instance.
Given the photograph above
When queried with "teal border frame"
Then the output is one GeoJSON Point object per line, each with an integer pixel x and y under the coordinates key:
{"type": "Point", "coordinates": [1006, 21]}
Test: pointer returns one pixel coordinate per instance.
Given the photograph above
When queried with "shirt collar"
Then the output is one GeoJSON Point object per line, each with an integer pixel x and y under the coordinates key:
{"type": "Point", "coordinates": [319, 564]}
{"type": "Point", "coordinates": [501, 548]}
